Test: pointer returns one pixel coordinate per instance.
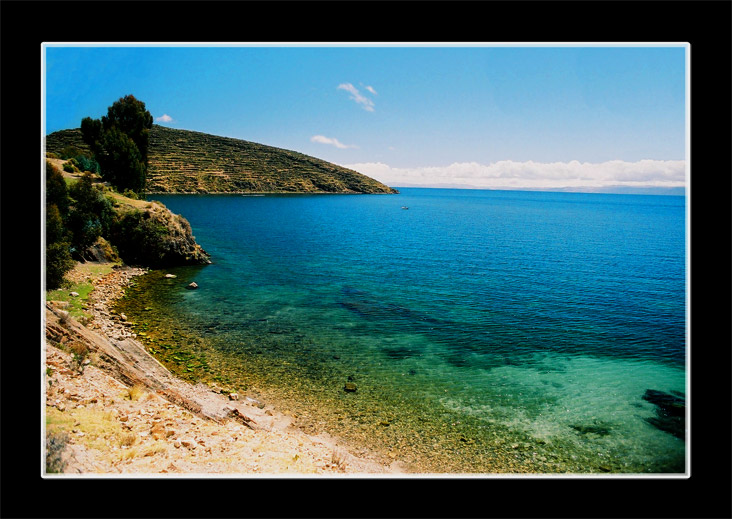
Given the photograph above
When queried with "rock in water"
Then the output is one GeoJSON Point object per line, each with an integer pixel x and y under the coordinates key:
{"type": "Point", "coordinates": [350, 387]}
{"type": "Point", "coordinates": [667, 404]}
{"type": "Point", "coordinates": [192, 285]}
{"type": "Point", "coordinates": [670, 411]}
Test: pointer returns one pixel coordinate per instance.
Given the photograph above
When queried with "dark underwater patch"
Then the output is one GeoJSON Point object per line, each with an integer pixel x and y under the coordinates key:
{"type": "Point", "coordinates": [599, 429]}
{"type": "Point", "coordinates": [670, 412]}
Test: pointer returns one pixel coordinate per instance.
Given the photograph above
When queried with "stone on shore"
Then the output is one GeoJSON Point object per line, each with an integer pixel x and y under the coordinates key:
{"type": "Point", "coordinates": [175, 422]}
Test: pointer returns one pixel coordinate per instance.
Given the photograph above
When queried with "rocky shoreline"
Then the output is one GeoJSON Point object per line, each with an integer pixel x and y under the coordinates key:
{"type": "Point", "coordinates": [107, 289]}
{"type": "Point", "coordinates": [112, 408]}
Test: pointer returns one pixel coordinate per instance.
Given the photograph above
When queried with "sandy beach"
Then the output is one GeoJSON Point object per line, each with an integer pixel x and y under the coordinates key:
{"type": "Point", "coordinates": [112, 409]}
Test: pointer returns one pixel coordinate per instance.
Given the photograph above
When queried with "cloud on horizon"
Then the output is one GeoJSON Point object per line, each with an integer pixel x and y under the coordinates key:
{"type": "Point", "coordinates": [322, 139]}
{"type": "Point", "coordinates": [508, 174]}
{"type": "Point", "coordinates": [165, 118]}
{"type": "Point", "coordinates": [366, 103]}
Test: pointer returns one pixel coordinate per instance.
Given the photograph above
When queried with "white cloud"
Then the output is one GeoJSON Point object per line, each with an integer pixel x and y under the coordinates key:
{"type": "Point", "coordinates": [366, 103]}
{"type": "Point", "coordinates": [165, 118]}
{"type": "Point", "coordinates": [322, 139]}
{"type": "Point", "coordinates": [371, 89]}
{"type": "Point", "coordinates": [507, 174]}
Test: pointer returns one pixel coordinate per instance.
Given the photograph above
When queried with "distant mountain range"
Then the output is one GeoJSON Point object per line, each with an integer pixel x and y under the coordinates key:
{"type": "Point", "coordinates": [184, 161]}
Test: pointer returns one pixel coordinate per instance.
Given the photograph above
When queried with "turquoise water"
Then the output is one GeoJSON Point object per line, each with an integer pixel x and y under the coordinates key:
{"type": "Point", "coordinates": [528, 327]}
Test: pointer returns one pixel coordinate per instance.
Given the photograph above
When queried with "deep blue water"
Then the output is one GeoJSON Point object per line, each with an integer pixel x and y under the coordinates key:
{"type": "Point", "coordinates": [545, 313]}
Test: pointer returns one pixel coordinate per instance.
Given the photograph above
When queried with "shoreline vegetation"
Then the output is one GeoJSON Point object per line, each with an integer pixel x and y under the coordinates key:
{"type": "Point", "coordinates": [112, 408]}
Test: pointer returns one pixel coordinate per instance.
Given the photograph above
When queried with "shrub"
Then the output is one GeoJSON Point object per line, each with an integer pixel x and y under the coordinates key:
{"type": "Point", "coordinates": [55, 230]}
{"type": "Point", "coordinates": [58, 263]}
{"type": "Point", "coordinates": [86, 228]}
{"type": "Point", "coordinates": [69, 168]}
{"type": "Point", "coordinates": [85, 163]}
{"type": "Point", "coordinates": [90, 216]}
{"type": "Point", "coordinates": [80, 352]}
{"type": "Point", "coordinates": [58, 248]}
{"type": "Point", "coordinates": [105, 251]}
{"type": "Point", "coordinates": [135, 392]}
{"type": "Point", "coordinates": [140, 240]}
{"type": "Point", "coordinates": [56, 190]}
{"type": "Point", "coordinates": [127, 439]}
{"type": "Point", "coordinates": [69, 152]}
{"type": "Point", "coordinates": [338, 459]}
{"type": "Point", "coordinates": [56, 442]}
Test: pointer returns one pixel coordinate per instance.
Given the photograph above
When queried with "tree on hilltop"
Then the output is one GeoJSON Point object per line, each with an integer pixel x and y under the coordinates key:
{"type": "Point", "coordinates": [119, 142]}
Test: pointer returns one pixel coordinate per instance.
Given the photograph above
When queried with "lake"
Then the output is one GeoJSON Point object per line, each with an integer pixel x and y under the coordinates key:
{"type": "Point", "coordinates": [483, 331]}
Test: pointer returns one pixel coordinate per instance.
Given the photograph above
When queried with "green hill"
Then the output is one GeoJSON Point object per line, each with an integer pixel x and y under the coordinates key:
{"type": "Point", "coordinates": [184, 161]}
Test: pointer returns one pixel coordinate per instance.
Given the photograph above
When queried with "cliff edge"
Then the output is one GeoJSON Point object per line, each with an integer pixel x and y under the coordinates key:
{"type": "Point", "coordinates": [141, 232]}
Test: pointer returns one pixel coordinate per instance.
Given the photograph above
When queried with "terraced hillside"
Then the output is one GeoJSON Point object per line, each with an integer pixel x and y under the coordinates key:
{"type": "Point", "coordinates": [184, 161]}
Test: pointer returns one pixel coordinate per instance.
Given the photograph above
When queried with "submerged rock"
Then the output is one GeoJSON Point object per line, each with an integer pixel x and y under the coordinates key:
{"type": "Point", "coordinates": [350, 387]}
{"type": "Point", "coordinates": [666, 403]}
{"type": "Point", "coordinates": [670, 412]}
{"type": "Point", "coordinates": [596, 428]}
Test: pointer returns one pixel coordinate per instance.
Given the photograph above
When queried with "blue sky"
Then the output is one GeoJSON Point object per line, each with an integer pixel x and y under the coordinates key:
{"type": "Point", "coordinates": [470, 115]}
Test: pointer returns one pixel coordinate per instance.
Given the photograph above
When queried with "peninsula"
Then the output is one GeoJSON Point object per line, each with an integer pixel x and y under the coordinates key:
{"type": "Point", "coordinates": [184, 161]}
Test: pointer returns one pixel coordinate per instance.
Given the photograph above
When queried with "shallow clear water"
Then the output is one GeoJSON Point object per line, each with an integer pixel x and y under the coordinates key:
{"type": "Point", "coordinates": [486, 331]}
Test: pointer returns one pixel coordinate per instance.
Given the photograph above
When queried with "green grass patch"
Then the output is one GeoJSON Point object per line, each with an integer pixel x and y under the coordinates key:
{"type": "Point", "coordinates": [77, 304]}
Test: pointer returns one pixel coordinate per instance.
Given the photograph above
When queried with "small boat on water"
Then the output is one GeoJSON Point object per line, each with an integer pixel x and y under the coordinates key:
{"type": "Point", "coordinates": [405, 207]}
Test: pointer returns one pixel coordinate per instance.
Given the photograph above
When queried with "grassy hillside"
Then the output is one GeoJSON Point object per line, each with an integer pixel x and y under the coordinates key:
{"type": "Point", "coordinates": [183, 161]}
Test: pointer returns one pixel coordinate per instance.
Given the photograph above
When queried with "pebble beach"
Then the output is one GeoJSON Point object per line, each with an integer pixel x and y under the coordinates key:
{"type": "Point", "coordinates": [100, 424]}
